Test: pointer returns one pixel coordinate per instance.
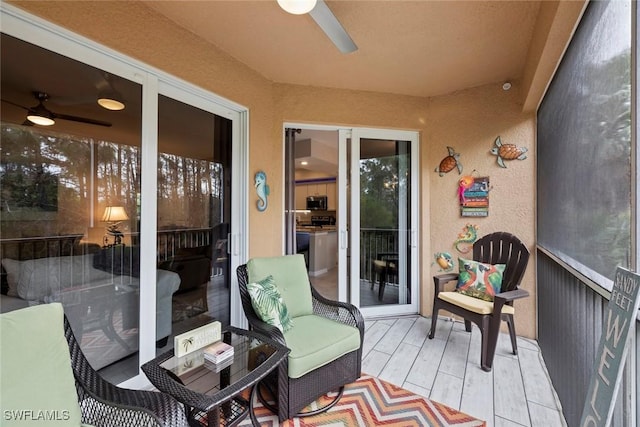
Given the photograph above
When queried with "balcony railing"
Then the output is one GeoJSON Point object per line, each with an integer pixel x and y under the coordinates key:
{"type": "Point", "coordinates": [375, 241]}
{"type": "Point", "coordinates": [40, 247]}
{"type": "Point", "coordinates": [170, 241]}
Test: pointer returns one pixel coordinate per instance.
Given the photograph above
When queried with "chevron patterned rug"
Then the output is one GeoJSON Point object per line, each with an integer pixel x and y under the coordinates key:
{"type": "Point", "coordinates": [373, 402]}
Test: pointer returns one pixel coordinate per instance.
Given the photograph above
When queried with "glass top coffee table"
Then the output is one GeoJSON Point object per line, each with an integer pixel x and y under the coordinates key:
{"type": "Point", "coordinates": [212, 393]}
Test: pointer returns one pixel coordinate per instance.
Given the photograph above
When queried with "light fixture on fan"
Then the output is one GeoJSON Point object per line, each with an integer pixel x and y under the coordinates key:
{"type": "Point", "coordinates": [109, 97]}
{"type": "Point", "coordinates": [297, 7]}
{"type": "Point", "coordinates": [111, 100]}
{"type": "Point", "coordinates": [114, 215]}
{"type": "Point", "coordinates": [40, 115]}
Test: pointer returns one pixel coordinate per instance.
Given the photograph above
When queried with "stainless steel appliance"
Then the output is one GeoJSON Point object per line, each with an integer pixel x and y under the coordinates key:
{"type": "Point", "coordinates": [321, 220]}
{"type": "Point", "coordinates": [317, 203]}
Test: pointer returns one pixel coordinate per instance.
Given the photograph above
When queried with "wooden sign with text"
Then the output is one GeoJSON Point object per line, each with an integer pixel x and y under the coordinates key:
{"type": "Point", "coordinates": [196, 339]}
{"type": "Point", "coordinates": [619, 316]}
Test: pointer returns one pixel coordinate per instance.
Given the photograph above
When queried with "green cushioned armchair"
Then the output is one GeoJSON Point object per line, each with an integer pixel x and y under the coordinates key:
{"type": "Point", "coordinates": [46, 380]}
{"type": "Point", "coordinates": [325, 340]}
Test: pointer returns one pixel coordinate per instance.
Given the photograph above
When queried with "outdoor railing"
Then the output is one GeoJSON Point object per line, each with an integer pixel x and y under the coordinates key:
{"type": "Point", "coordinates": [373, 242]}
{"type": "Point", "coordinates": [571, 312]}
{"type": "Point", "coordinates": [39, 247]}
{"type": "Point", "coordinates": [169, 241]}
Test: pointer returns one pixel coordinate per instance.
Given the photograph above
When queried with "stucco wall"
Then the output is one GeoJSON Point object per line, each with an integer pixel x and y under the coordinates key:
{"type": "Point", "coordinates": [469, 121]}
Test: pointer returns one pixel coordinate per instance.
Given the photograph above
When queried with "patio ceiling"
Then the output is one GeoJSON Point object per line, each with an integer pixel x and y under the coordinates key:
{"type": "Point", "coordinates": [418, 48]}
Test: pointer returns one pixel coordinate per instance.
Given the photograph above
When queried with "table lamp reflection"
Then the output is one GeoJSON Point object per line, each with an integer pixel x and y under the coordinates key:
{"type": "Point", "coordinates": [115, 215]}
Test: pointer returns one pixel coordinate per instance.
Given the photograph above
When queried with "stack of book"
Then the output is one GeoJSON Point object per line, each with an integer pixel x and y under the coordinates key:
{"type": "Point", "coordinates": [218, 367]}
{"type": "Point", "coordinates": [218, 355]}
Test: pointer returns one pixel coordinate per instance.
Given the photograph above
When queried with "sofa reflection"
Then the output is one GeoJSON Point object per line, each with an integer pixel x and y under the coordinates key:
{"type": "Point", "coordinates": [98, 288]}
{"type": "Point", "coordinates": [193, 265]}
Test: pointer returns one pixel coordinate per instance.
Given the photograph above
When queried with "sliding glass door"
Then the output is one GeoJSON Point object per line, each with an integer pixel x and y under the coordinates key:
{"type": "Point", "coordinates": [380, 224]}
{"type": "Point", "coordinates": [369, 178]}
{"type": "Point", "coordinates": [194, 212]}
{"type": "Point", "coordinates": [124, 213]}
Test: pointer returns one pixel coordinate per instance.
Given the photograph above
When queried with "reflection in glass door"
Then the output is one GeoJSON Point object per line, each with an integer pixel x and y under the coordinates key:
{"type": "Point", "coordinates": [194, 212]}
{"type": "Point", "coordinates": [68, 203]}
{"type": "Point", "coordinates": [383, 221]}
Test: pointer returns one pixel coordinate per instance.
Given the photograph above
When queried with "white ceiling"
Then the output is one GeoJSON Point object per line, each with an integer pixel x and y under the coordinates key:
{"type": "Point", "coordinates": [421, 48]}
{"type": "Point", "coordinates": [323, 158]}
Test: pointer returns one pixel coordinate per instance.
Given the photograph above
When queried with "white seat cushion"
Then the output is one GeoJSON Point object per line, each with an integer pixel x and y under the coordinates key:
{"type": "Point", "coordinates": [475, 305]}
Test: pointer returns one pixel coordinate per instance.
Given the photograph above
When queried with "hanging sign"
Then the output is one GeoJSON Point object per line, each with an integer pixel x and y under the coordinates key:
{"type": "Point", "coordinates": [474, 196]}
{"type": "Point", "coordinates": [614, 343]}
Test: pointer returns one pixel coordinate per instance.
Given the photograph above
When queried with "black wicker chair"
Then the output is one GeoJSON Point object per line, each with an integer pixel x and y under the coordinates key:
{"type": "Point", "coordinates": [39, 373]}
{"type": "Point", "coordinates": [104, 404]}
{"type": "Point", "coordinates": [294, 394]}
{"type": "Point", "coordinates": [495, 248]}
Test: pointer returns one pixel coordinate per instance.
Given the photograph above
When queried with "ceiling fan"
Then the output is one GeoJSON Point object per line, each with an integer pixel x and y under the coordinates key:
{"type": "Point", "coordinates": [326, 20]}
{"type": "Point", "coordinates": [41, 115]}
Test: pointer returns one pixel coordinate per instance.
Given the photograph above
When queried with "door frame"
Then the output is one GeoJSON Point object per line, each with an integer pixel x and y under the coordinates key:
{"type": "Point", "coordinates": [35, 30]}
{"type": "Point", "coordinates": [347, 290]}
{"type": "Point", "coordinates": [414, 273]}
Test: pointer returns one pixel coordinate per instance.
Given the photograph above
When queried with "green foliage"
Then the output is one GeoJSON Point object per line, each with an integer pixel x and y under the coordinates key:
{"type": "Point", "coordinates": [380, 188]}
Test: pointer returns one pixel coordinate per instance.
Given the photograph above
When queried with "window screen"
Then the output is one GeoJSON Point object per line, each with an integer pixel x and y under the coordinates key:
{"type": "Point", "coordinates": [584, 147]}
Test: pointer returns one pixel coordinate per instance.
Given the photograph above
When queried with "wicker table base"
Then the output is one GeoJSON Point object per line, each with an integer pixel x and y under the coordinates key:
{"type": "Point", "coordinates": [214, 398]}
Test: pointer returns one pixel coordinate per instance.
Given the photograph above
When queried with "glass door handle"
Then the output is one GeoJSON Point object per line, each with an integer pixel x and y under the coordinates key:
{"type": "Point", "coordinates": [344, 242]}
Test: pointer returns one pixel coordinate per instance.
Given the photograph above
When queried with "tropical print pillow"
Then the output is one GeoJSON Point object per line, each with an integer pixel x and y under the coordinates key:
{"type": "Point", "coordinates": [268, 303]}
{"type": "Point", "coordinates": [479, 280]}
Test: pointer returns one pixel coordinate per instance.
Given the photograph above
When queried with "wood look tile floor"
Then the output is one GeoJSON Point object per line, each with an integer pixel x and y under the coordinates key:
{"type": "Point", "coordinates": [518, 391]}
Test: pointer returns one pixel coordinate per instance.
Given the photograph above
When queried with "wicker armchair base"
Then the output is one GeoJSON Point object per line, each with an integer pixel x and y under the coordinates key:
{"type": "Point", "coordinates": [267, 403]}
{"type": "Point", "coordinates": [301, 391]}
{"type": "Point", "coordinates": [294, 394]}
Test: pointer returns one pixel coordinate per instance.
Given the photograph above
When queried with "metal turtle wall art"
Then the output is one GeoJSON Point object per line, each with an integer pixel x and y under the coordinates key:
{"type": "Point", "coordinates": [450, 162]}
{"type": "Point", "coordinates": [507, 152]}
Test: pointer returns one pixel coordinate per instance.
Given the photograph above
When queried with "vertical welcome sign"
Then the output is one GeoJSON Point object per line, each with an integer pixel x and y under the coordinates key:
{"type": "Point", "coordinates": [618, 319]}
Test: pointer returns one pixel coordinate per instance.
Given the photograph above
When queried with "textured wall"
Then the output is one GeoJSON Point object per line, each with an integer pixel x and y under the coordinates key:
{"type": "Point", "coordinates": [469, 121]}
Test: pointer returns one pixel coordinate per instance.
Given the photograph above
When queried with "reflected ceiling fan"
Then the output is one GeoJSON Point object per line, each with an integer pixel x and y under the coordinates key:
{"type": "Point", "coordinates": [326, 20]}
{"type": "Point", "coordinates": [41, 115]}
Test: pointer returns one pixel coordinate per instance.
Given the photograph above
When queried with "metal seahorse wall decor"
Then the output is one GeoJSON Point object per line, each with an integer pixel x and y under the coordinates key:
{"type": "Point", "coordinates": [467, 237]}
{"type": "Point", "coordinates": [262, 190]}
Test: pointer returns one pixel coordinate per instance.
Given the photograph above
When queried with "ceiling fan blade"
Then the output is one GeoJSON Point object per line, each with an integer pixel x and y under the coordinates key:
{"type": "Point", "coordinates": [81, 119]}
{"type": "Point", "coordinates": [40, 109]}
{"type": "Point", "coordinates": [16, 105]}
{"type": "Point", "coordinates": [327, 21]}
